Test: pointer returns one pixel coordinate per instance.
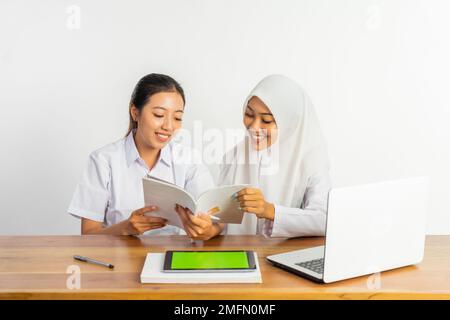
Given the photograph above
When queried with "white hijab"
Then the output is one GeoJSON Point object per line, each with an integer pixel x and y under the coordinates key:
{"type": "Point", "coordinates": [282, 170]}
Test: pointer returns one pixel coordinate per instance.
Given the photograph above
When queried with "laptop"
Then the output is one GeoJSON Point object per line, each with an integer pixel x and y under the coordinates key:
{"type": "Point", "coordinates": [370, 228]}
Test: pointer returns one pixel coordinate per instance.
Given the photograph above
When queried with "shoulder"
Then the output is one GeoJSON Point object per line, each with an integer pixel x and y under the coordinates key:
{"type": "Point", "coordinates": [108, 153]}
{"type": "Point", "coordinates": [230, 160]}
{"type": "Point", "coordinates": [231, 155]}
{"type": "Point", "coordinates": [320, 179]}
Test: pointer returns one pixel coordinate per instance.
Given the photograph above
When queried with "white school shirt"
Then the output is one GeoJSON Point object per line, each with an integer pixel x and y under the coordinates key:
{"type": "Point", "coordinates": [308, 220]}
{"type": "Point", "coordinates": [111, 188]}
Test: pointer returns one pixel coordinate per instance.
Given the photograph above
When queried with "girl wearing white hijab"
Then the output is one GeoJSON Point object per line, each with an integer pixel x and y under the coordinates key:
{"type": "Point", "coordinates": [284, 159]}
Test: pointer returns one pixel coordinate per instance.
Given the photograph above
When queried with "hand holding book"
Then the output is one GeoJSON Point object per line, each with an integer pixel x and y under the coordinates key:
{"type": "Point", "coordinates": [218, 202]}
{"type": "Point", "coordinates": [198, 226]}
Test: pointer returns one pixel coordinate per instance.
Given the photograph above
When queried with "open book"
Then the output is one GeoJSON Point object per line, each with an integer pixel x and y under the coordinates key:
{"type": "Point", "coordinates": [218, 202]}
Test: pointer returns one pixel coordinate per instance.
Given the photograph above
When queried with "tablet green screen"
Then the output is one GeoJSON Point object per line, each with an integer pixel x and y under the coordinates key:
{"type": "Point", "coordinates": [210, 260]}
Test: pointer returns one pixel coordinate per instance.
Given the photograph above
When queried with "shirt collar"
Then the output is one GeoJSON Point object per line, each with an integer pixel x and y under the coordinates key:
{"type": "Point", "coordinates": [132, 154]}
{"type": "Point", "coordinates": [165, 155]}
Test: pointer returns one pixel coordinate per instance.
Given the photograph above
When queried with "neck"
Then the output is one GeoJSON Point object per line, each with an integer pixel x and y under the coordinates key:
{"type": "Point", "coordinates": [146, 152]}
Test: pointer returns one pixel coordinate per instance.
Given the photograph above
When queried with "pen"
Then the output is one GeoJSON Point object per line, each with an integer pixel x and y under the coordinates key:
{"type": "Point", "coordinates": [213, 211]}
{"type": "Point", "coordinates": [86, 259]}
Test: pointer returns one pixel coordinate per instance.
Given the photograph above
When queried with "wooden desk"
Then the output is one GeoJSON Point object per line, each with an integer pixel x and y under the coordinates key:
{"type": "Point", "coordinates": [34, 267]}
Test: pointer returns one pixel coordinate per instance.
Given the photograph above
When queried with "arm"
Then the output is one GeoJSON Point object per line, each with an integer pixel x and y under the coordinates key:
{"type": "Point", "coordinates": [282, 221]}
{"type": "Point", "coordinates": [94, 227]}
{"type": "Point", "coordinates": [91, 199]}
{"type": "Point", "coordinates": [198, 227]}
{"type": "Point", "coordinates": [138, 223]}
{"type": "Point", "coordinates": [310, 219]}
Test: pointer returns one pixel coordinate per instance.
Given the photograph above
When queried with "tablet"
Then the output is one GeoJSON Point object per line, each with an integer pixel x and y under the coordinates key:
{"type": "Point", "coordinates": [209, 261]}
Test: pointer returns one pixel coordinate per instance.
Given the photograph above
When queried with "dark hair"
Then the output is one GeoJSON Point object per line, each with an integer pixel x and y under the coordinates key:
{"type": "Point", "coordinates": [146, 87]}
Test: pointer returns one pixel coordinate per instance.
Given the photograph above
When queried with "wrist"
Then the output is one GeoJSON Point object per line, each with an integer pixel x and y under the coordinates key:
{"type": "Point", "coordinates": [216, 229]}
{"type": "Point", "coordinates": [270, 211]}
{"type": "Point", "coordinates": [126, 228]}
{"type": "Point", "coordinates": [220, 227]}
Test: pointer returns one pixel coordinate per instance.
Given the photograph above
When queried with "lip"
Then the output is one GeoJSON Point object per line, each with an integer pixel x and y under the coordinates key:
{"type": "Point", "coordinates": [162, 137]}
{"type": "Point", "coordinates": [258, 137]}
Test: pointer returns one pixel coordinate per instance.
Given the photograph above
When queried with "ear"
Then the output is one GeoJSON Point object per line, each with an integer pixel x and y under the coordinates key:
{"type": "Point", "coordinates": [134, 112]}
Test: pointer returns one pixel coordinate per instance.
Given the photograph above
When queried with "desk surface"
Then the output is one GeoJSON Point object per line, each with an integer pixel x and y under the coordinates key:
{"type": "Point", "coordinates": [35, 267]}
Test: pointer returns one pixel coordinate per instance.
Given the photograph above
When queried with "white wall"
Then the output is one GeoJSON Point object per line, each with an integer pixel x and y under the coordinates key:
{"type": "Point", "coordinates": [377, 71]}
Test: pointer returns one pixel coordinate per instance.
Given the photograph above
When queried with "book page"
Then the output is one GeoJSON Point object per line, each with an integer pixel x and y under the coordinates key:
{"type": "Point", "coordinates": [222, 204]}
{"type": "Point", "coordinates": [165, 196]}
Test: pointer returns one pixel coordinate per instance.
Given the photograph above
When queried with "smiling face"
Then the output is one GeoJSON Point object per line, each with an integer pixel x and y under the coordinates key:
{"type": "Point", "coordinates": [159, 119]}
{"type": "Point", "coordinates": [260, 124]}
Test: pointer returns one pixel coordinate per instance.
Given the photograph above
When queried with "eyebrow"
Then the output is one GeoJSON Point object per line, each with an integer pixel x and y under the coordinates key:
{"type": "Point", "coordinates": [158, 107]}
{"type": "Point", "coordinates": [264, 114]}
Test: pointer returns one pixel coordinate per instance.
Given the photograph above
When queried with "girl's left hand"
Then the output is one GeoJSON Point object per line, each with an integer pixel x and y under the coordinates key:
{"type": "Point", "coordinates": [252, 200]}
{"type": "Point", "coordinates": [198, 227]}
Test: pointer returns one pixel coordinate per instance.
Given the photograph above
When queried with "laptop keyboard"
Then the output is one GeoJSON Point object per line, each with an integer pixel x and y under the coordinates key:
{"type": "Point", "coordinates": [313, 265]}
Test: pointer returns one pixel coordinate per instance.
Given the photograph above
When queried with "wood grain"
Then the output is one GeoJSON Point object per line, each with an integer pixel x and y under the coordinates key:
{"type": "Point", "coordinates": [35, 267]}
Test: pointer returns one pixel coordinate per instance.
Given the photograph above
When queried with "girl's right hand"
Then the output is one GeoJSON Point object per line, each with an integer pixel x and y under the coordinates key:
{"type": "Point", "coordinates": [138, 222]}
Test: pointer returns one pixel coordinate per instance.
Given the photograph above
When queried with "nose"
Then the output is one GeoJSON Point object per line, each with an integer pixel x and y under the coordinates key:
{"type": "Point", "coordinates": [255, 125]}
{"type": "Point", "coordinates": [167, 124]}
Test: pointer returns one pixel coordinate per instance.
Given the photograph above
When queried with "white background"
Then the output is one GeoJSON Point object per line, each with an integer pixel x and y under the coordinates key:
{"type": "Point", "coordinates": [377, 72]}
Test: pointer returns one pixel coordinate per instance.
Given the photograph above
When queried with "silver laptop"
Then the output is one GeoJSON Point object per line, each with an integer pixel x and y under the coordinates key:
{"type": "Point", "coordinates": [370, 228]}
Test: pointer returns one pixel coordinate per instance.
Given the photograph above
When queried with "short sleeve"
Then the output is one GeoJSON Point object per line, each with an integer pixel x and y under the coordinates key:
{"type": "Point", "coordinates": [91, 196]}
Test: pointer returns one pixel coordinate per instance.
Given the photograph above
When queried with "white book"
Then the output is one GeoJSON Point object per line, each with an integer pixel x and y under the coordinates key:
{"type": "Point", "coordinates": [166, 195]}
{"type": "Point", "coordinates": [152, 272]}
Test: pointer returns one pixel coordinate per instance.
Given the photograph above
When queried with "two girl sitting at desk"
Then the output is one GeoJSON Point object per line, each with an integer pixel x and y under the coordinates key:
{"type": "Point", "coordinates": [284, 154]}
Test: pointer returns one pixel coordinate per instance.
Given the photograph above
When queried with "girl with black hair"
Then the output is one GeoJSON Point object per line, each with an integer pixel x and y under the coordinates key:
{"type": "Point", "coordinates": [109, 198]}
